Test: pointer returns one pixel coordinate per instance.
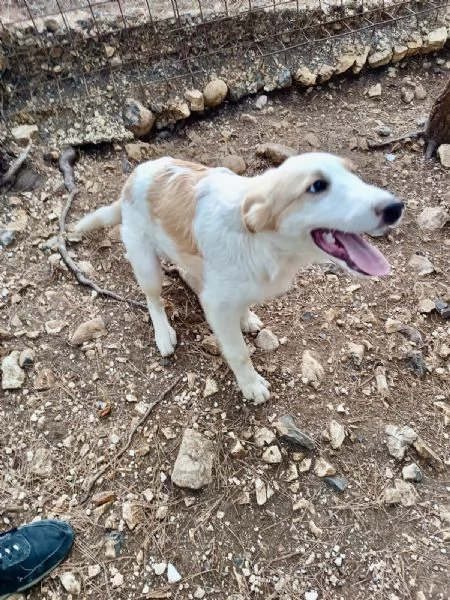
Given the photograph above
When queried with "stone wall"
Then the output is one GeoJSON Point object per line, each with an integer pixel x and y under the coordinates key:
{"type": "Point", "coordinates": [74, 80]}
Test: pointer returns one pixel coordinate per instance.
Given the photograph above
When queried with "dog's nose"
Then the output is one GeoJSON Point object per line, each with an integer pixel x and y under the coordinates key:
{"type": "Point", "coordinates": [392, 213]}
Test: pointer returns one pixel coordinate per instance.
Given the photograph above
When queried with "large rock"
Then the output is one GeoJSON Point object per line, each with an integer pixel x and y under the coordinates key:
{"type": "Point", "coordinates": [267, 340]}
{"type": "Point", "coordinates": [380, 58]}
{"type": "Point", "coordinates": [87, 331]}
{"type": "Point", "coordinates": [25, 133]}
{"type": "Point", "coordinates": [195, 100]}
{"type": "Point", "coordinates": [436, 39]}
{"type": "Point", "coordinates": [304, 76]}
{"type": "Point", "coordinates": [12, 375]}
{"type": "Point", "coordinates": [276, 153]}
{"type": "Point", "coordinates": [215, 92]}
{"type": "Point", "coordinates": [193, 466]}
{"type": "Point", "coordinates": [444, 155]}
{"type": "Point", "coordinates": [433, 218]}
{"type": "Point", "coordinates": [137, 118]}
{"type": "Point", "coordinates": [235, 163]}
{"type": "Point", "coordinates": [399, 439]}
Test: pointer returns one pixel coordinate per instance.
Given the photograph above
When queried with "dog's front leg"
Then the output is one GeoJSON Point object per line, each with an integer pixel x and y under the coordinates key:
{"type": "Point", "coordinates": [226, 326]}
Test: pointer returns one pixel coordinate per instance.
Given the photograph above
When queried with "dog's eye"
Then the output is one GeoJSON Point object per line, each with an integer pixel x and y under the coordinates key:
{"type": "Point", "coordinates": [318, 186]}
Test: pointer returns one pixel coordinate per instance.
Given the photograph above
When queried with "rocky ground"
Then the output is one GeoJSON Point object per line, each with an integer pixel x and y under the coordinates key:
{"type": "Point", "coordinates": [336, 488]}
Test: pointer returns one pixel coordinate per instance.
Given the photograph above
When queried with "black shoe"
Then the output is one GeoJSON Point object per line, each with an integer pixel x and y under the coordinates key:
{"type": "Point", "coordinates": [29, 553]}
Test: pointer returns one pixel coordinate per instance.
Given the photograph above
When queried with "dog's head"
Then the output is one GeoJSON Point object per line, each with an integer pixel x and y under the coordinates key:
{"type": "Point", "coordinates": [318, 200]}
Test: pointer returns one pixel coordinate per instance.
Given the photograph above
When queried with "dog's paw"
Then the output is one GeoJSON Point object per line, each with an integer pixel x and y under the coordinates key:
{"type": "Point", "coordinates": [166, 341]}
{"type": "Point", "coordinates": [256, 390]}
{"type": "Point", "coordinates": [251, 323]}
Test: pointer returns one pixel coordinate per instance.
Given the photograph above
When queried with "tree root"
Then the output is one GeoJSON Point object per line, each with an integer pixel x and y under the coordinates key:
{"type": "Point", "coordinates": [16, 166]}
{"type": "Point", "coordinates": [388, 142]}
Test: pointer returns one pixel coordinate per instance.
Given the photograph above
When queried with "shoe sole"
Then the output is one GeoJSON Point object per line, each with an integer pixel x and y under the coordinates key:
{"type": "Point", "coordinates": [29, 585]}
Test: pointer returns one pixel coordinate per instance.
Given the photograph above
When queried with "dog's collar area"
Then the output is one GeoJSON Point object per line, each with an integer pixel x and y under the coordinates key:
{"type": "Point", "coordinates": [350, 248]}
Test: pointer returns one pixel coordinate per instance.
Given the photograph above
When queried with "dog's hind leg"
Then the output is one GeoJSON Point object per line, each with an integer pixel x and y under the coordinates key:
{"type": "Point", "coordinates": [148, 272]}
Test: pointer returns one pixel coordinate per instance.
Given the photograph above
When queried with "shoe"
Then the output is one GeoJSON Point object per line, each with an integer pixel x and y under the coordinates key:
{"type": "Point", "coordinates": [29, 553]}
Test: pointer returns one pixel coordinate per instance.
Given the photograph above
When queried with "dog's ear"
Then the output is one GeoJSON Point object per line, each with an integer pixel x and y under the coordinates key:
{"type": "Point", "coordinates": [257, 214]}
{"type": "Point", "coordinates": [349, 165]}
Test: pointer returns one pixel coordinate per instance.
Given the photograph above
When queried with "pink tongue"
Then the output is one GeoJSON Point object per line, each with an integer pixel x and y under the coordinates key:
{"type": "Point", "coordinates": [368, 258]}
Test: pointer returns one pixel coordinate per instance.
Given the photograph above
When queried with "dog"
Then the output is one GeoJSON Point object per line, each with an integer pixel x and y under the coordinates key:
{"type": "Point", "coordinates": [239, 241]}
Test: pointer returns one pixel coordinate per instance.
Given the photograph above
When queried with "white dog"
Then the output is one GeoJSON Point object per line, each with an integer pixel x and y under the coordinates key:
{"type": "Point", "coordinates": [240, 241]}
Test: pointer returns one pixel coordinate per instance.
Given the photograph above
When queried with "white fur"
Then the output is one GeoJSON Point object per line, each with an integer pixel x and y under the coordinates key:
{"type": "Point", "coordinates": [237, 268]}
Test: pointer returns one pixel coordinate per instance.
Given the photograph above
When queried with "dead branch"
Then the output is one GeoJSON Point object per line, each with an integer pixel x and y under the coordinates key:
{"type": "Point", "coordinates": [16, 165]}
{"type": "Point", "coordinates": [119, 455]}
{"type": "Point", "coordinates": [66, 166]}
{"type": "Point", "coordinates": [401, 138]}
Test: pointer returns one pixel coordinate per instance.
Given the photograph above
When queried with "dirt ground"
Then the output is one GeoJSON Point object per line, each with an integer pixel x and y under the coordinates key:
{"type": "Point", "coordinates": [349, 545]}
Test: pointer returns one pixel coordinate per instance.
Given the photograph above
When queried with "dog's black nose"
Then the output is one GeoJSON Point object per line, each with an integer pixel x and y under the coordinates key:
{"type": "Point", "coordinates": [392, 213]}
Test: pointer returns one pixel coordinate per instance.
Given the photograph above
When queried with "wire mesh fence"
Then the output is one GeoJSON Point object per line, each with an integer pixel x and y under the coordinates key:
{"type": "Point", "coordinates": [66, 52]}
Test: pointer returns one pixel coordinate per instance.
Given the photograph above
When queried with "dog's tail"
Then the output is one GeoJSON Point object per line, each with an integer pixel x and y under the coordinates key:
{"type": "Point", "coordinates": [106, 216]}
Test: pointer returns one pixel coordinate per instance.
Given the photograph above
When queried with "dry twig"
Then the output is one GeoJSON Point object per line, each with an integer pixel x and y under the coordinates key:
{"type": "Point", "coordinates": [66, 166]}
{"type": "Point", "coordinates": [141, 422]}
{"type": "Point", "coordinates": [16, 166]}
{"type": "Point", "coordinates": [401, 138]}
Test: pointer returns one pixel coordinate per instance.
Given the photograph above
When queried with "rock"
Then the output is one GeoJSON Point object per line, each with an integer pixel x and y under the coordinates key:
{"type": "Point", "coordinates": [425, 452]}
{"type": "Point", "coordinates": [383, 130]}
{"type": "Point", "coordinates": [117, 580]}
{"type": "Point", "coordinates": [193, 465]}
{"type": "Point", "coordinates": [111, 550]}
{"type": "Point", "coordinates": [444, 155]}
{"type": "Point", "coordinates": [12, 375]}
{"type": "Point", "coordinates": [109, 51]}
{"type": "Point", "coordinates": [420, 93]}
{"type": "Point", "coordinates": [412, 473]}
{"type": "Point", "coordinates": [210, 344]}
{"type": "Point", "coordinates": [374, 91]}
{"type": "Point", "coordinates": [263, 492]}
{"type": "Point", "coordinates": [345, 62]}
{"type": "Point", "coordinates": [7, 237]}
{"type": "Point", "coordinates": [322, 468]}
{"type": "Point", "coordinates": [304, 76]}
{"type": "Point", "coordinates": [436, 38]}
{"type": "Point", "coordinates": [420, 264]}
{"type": "Point", "coordinates": [312, 370]}
{"type": "Point", "coordinates": [103, 497]}
{"type": "Point", "coordinates": [316, 531]}
{"type": "Point", "coordinates": [399, 439]}
{"type": "Point", "coordinates": [263, 437]}
{"type": "Point", "coordinates": [272, 455]}
{"type": "Point", "coordinates": [25, 133]}
{"type": "Point", "coordinates": [45, 380]}
{"type": "Point", "coordinates": [403, 493]}
{"type": "Point", "coordinates": [412, 334]}
{"type": "Point", "coordinates": [324, 73]}
{"type": "Point", "coordinates": [199, 593]}
{"type": "Point", "coordinates": [215, 92]}
{"type": "Point", "coordinates": [338, 484]}
{"type": "Point", "coordinates": [311, 595]}
{"type": "Point", "coordinates": [407, 95]}
{"type": "Point", "coordinates": [275, 153]}
{"type": "Point", "coordinates": [381, 381]}
{"type": "Point", "coordinates": [70, 583]}
{"type": "Point", "coordinates": [27, 357]}
{"type": "Point", "coordinates": [261, 101]}
{"type": "Point", "coordinates": [195, 100]}
{"type": "Point", "coordinates": [159, 568]}
{"type": "Point", "coordinates": [52, 25]}
{"type": "Point", "coordinates": [289, 432]}
{"type": "Point", "coordinates": [172, 574]}
{"type": "Point", "coordinates": [238, 450]}
{"type": "Point", "coordinates": [137, 118]}
{"type": "Point", "coordinates": [433, 218]}
{"type": "Point", "coordinates": [400, 51]}
{"type": "Point", "coordinates": [304, 504]}
{"type": "Point", "coordinates": [211, 387]}
{"type": "Point", "coordinates": [134, 150]}
{"type": "Point", "coordinates": [305, 465]}
{"type": "Point", "coordinates": [312, 140]}
{"type": "Point", "coordinates": [235, 163]}
{"type": "Point", "coordinates": [445, 409]}
{"type": "Point", "coordinates": [89, 330]}
{"type": "Point", "coordinates": [162, 512]}
{"type": "Point", "coordinates": [53, 327]}
{"type": "Point", "coordinates": [132, 514]}
{"type": "Point", "coordinates": [361, 59]}
{"type": "Point", "coordinates": [41, 463]}
{"type": "Point", "coordinates": [355, 352]}
{"type": "Point", "coordinates": [380, 58]}
{"type": "Point", "coordinates": [93, 571]}
{"type": "Point", "coordinates": [416, 363]}
{"type": "Point", "coordinates": [426, 306]}
{"type": "Point", "coordinates": [266, 340]}
{"type": "Point", "coordinates": [337, 434]}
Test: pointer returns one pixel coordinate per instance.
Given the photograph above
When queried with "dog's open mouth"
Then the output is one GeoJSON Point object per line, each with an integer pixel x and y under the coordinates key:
{"type": "Point", "coordinates": [352, 249]}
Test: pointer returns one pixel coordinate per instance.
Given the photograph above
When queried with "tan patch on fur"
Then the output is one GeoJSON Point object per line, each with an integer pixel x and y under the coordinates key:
{"type": "Point", "coordinates": [349, 165]}
{"type": "Point", "coordinates": [127, 192]}
{"type": "Point", "coordinates": [171, 200]}
{"type": "Point", "coordinates": [264, 208]}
